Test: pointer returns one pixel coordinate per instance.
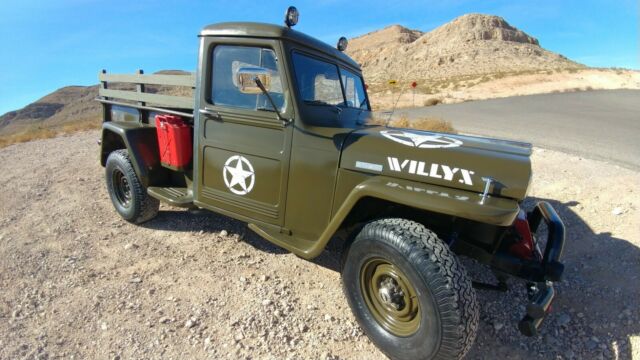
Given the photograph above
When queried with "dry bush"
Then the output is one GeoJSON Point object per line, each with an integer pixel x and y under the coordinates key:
{"type": "Point", "coordinates": [38, 132]}
{"type": "Point", "coordinates": [401, 122]}
{"type": "Point", "coordinates": [426, 90]}
{"type": "Point", "coordinates": [432, 102]}
{"type": "Point", "coordinates": [427, 123]}
{"type": "Point", "coordinates": [433, 124]}
{"type": "Point", "coordinates": [77, 126]}
{"type": "Point", "coordinates": [32, 133]}
{"type": "Point", "coordinates": [499, 75]}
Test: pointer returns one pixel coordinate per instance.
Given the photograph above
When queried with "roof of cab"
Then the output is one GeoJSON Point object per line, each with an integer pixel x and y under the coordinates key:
{"type": "Point", "coordinates": [262, 30]}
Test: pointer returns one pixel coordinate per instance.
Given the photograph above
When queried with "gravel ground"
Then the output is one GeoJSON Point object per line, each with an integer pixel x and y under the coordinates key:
{"type": "Point", "coordinates": [78, 282]}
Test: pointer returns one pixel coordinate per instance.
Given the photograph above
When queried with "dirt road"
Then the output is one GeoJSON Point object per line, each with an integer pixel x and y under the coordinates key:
{"type": "Point", "coordinates": [78, 282]}
{"type": "Point", "coordinates": [597, 124]}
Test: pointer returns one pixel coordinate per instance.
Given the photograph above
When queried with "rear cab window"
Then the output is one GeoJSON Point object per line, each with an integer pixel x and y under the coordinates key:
{"type": "Point", "coordinates": [353, 88]}
{"type": "Point", "coordinates": [318, 81]}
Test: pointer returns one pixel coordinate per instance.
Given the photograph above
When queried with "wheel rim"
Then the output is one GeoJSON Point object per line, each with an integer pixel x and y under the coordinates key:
{"type": "Point", "coordinates": [121, 188]}
{"type": "Point", "coordinates": [390, 297]}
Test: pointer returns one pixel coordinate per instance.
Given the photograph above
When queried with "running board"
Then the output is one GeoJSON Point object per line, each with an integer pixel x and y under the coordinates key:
{"type": "Point", "coordinates": [175, 196]}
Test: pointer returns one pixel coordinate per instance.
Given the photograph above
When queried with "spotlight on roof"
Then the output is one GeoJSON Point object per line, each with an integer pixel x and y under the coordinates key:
{"type": "Point", "coordinates": [342, 44]}
{"type": "Point", "coordinates": [291, 16]}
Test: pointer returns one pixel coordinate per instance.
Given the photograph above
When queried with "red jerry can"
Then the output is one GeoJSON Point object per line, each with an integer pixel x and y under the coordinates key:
{"type": "Point", "coordinates": [174, 141]}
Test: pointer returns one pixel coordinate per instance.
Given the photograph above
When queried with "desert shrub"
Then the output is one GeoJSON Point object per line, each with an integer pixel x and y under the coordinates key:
{"type": "Point", "coordinates": [433, 124]}
{"type": "Point", "coordinates": [426, 90]}
{"type": "Point", "coordinates": [30, 134]}
{"type": "Point", "coordinates": [424, 123]}
{"type": "Point", "coordinates": [499, 75]}
{"type": "Point", "coordinates": [38, 132]}
{"type": "Point", "coordinates": [401, 122]}
{"type": "Point", "coordinates": [432, 101]}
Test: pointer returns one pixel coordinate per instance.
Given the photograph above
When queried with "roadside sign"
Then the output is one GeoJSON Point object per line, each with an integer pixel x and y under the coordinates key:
{"type": "Point", "coordinates": [413, 90]}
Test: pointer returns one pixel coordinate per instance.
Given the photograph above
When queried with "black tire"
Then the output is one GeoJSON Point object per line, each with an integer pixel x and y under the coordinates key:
{"type": "Point", "coordinates": [448, 309]}
{"type": "Point", "coordinates": [127, 193]}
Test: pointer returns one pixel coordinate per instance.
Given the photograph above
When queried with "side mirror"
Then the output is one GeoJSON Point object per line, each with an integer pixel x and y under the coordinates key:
{"type": "Point", "coordinates": [245, 79]}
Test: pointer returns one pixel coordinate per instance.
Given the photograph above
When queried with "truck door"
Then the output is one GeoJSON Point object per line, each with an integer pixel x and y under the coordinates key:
{"type": "Point", "coordinates": [243, 149]}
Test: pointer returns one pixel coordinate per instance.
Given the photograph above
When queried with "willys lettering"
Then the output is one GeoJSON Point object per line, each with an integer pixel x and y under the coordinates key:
{"type": "Point", "coordinates": [436, 171]}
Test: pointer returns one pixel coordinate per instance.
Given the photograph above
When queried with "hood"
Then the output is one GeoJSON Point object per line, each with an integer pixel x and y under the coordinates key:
{"type": "Point", "coordinates": [461, 162]}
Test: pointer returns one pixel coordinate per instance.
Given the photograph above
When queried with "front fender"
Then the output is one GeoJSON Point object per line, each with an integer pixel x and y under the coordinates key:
{"type": "Point", "coordinates": [142, 143]}
{"type": "Point", "coordinates": [439, 199]}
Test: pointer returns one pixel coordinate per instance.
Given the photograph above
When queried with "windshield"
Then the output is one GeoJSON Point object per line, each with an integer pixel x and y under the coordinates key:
{"type": "Point", "coordinates": [323, 83]}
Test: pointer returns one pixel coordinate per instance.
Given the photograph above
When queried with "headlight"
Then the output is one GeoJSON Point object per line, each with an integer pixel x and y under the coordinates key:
{"type": "Point", "coordinates": [291, 16]}
{"type": "Point", "coordinates": [342, 44]}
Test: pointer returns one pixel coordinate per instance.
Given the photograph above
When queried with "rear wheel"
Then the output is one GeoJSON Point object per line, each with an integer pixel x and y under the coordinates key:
{"type": "Point", "coordinates": [127, 193]}
{"type": "Point", "coordinates": [409, 292]}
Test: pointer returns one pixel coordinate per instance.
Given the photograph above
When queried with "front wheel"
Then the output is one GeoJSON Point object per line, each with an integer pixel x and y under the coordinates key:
{"type": "Point", "coordinates": [409, 292]}
{"type": "Point", "coordinates": [127, 193]}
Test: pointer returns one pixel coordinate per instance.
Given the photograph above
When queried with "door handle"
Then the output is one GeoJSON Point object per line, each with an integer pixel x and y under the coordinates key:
{"type": "Point", "coordinates": [210, 113]}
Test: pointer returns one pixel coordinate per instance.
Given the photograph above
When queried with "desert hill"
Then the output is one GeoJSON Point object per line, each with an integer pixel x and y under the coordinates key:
{"type": "Point", "coordinates": [61, 106]}
{"type": "Point", "coordinates": [471, 44]}
{"type": "Point", "coordinates": [68, 107]}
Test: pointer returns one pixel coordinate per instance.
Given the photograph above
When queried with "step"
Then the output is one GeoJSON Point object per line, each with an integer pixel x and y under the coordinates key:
{"type": "Point", "coordinates": [175, 196]}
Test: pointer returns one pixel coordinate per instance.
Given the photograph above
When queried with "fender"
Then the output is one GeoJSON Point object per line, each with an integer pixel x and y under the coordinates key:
{"type": "Point", "coordinates": [434, 198]}
{"type": "Point", "coordinates": [141, 141]}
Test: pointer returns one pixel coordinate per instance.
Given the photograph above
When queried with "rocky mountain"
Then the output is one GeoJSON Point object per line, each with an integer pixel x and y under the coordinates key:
{"type": "Point", "coordinates": [67, 104]}
{"type": "Point", "coordinates": [471, 44]}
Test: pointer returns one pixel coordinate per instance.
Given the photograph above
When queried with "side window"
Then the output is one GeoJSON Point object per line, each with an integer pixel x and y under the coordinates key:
{"type": "Point", "coordinates": [353, 89]}
{"type": "Point", "coordinates": [226, 62]}
{"type": "Point", "coordinates": [318, 81]}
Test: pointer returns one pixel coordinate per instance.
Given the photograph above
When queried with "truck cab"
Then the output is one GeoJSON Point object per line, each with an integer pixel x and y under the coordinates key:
{"type": "Point", "coordinates": [274, 168]}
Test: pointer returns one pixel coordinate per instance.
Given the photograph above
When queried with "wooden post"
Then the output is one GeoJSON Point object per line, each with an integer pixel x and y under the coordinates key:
{"type": "Point", "coordinates": [106, 113]}
{"type": "Point", "coordinates": [140, 87]}
{"type": "Point", "coordinates": [142, 114]}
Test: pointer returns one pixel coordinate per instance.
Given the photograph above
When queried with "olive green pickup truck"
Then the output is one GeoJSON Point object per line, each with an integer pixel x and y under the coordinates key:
{"type": "Point", "coordinates": [277, 135]}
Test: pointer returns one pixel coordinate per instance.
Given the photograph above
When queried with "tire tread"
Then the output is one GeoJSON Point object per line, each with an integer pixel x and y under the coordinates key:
{"type": "Point", "coordinates": [148, 206]}
{"type": "Point", "coordinates": [444, 276]}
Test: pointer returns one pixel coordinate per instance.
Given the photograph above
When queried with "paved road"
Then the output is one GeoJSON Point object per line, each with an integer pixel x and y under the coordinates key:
{"type": "Point", "coordinates": [603, 125]}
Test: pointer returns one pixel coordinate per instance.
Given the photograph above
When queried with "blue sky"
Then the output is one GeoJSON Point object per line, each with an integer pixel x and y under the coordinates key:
{"type": "Point", "coordinates": [50, 44]}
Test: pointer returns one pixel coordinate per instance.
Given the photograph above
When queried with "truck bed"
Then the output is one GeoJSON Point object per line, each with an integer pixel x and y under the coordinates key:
{"type": "Point", "coordinates": [165, 95]}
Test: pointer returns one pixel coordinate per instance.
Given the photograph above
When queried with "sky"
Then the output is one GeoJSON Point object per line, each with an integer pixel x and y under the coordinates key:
{"type": "Point", "coordinates": [50, 44]}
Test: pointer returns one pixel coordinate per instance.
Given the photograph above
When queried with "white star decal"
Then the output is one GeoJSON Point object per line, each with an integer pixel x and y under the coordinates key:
{"type": "Point", "coordinates": [242, 175]}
